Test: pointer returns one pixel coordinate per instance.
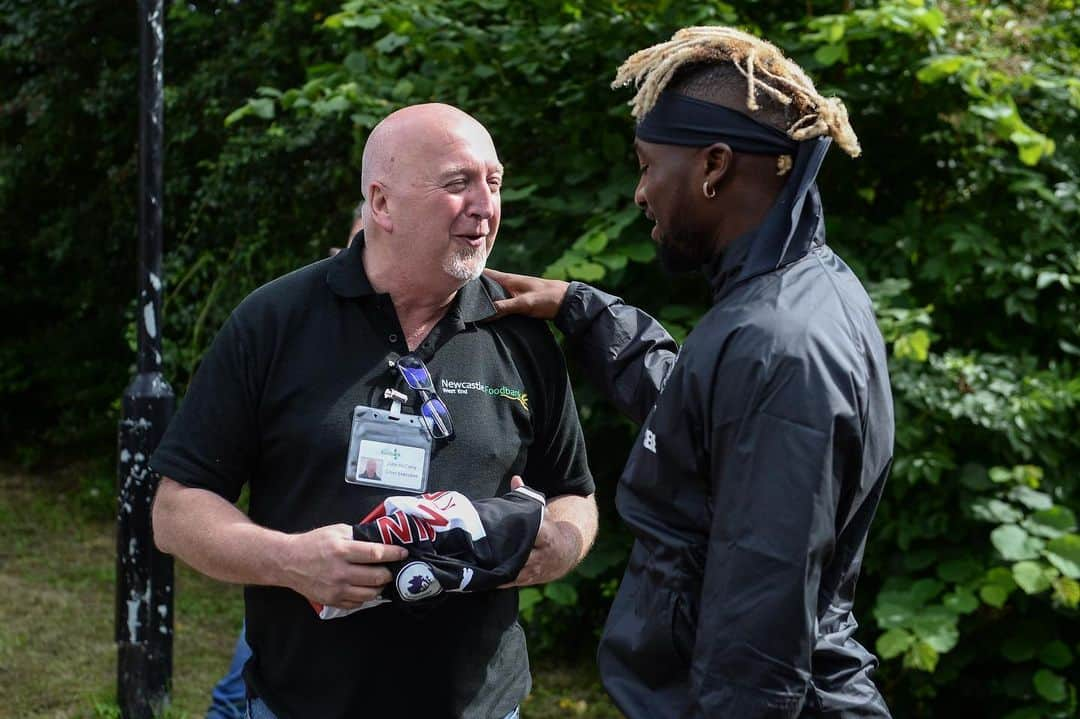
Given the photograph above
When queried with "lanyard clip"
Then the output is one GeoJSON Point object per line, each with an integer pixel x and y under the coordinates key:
{"type": "Point", "coordinates": [396, 398]}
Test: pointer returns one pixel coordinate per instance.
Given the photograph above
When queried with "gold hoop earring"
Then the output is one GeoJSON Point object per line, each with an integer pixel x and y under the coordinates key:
{"type": "Point", "coordinates": [705, 190]}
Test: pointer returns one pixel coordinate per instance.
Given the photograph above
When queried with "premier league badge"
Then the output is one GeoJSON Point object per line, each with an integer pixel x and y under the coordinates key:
{"type": "Point", "coordinates": [416, 581]}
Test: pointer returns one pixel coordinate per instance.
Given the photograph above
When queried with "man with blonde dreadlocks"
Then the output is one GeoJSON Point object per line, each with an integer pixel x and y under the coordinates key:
{"type": "Point", "coordinates": [767, 439]}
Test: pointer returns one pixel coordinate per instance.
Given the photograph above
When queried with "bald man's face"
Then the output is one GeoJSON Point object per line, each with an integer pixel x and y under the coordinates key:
{"type": "Point", "coordinates": [444, 197]}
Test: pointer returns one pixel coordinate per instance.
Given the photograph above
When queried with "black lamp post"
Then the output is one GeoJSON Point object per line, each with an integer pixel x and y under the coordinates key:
{"type": "Point", "coordinates": [144, 576]}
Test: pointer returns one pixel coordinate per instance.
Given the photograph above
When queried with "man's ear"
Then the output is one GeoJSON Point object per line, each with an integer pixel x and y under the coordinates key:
{"type": "Point", "coordinates": [718, 159]}
{"type": "Point", "coordinates": [379, 207]}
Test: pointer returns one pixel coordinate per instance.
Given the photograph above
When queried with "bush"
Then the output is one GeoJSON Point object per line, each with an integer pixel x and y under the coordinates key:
{"type": "Point", "coordinates": [960, 217]}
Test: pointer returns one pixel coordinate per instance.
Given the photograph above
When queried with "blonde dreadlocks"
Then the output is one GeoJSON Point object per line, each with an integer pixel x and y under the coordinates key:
{"type": "Point", "coordinates": [761, 63]}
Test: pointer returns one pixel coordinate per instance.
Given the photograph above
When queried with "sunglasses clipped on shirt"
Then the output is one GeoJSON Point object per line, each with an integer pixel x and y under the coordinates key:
{"type": "Point", "coordinates": [433, 411]}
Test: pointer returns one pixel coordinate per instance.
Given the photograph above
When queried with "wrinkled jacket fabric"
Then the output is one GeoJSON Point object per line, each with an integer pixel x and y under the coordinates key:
{"type": "Point", "coordinates": [764, 448]}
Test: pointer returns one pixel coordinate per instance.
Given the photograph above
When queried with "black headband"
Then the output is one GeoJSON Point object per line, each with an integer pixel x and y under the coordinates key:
{"type": "Point", "coordinates": [680, 120]}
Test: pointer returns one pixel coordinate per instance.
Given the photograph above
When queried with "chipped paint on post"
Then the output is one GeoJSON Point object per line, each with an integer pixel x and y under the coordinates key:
{"type": "Point", "coordinates": [144, 576]}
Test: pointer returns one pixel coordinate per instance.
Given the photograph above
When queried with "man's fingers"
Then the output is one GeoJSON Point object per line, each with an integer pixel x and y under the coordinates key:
{"type": "Point", "coordinates": [516, 481]}
{"type": "Point", "coordinates": [367, 575]}
{"type": "Point", "coordinates": [373, 553]}
{"type": "Point", "coordinates": [353, 597]}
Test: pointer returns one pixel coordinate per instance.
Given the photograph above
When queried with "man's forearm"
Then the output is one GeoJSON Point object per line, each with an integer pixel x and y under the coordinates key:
{"type": "Point", "coordinates": [214, 537]}
{"type": "Point", "coordinates": [576, 519]}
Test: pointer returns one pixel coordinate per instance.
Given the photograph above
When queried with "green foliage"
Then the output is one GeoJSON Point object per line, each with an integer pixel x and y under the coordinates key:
{"type": "Point", "coordinates": [961, 218]}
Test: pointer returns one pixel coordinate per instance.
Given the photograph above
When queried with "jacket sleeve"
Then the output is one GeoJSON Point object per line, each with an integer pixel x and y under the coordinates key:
{"type": "Point", "coordinates": [624, 352]}
{"type": "Point", "coordinates": [772, 442]}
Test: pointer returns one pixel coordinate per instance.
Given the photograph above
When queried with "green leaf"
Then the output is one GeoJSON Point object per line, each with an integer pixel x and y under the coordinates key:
{"type": "Point", "coordinates": [1031, 577]}
{"type": "Point", "coordinates": [592, 242]}
{"type": "Point", "coordinates": [1067, 592]}
{"type": "Point", "coordinates": [237, 115]}
{"type": "Point", "coordinates": [586, 271]}
{"type": "Point", "coordinates": [933, 20]}
{"type": "Point", "coordinates": [561, 593]}
{"type": "Point", "coordinates": [997, 586]}
{"type": "Point", "coordinates": [364, 22]}
{"type": "Point", "coordinates": [1050, 686]}
{"type": "Point", "coordinates": [994, 510]}
{"type": "Point", "coordinates": [1064, 553]}
{"type": "Point", "coordinates": [1056, 654]}
{"type": "Point", "coordinates": [612, 261]}
{"type": "Point", "coordinates": [1013, 543]}
{"type": "Point", "coordinates": [331, 106]}
{"type": "Point", "coordinates": [262, 107]}
{"type": "Point", "coordinates": [640, 251]}
{"type": "Point", "coordinates": [1030, 498]}
{"type": "Point", "coordinates": [831, 54]}
{"type": "Point", "coordinates": [1051, 523]}
{"type": "Point", "coordinates": [937, 627]}
{"type": "Point", "coordinates": [1000, 475]}
{"type": "Point", "coordinates": [391, 41]}
{"type": "Point", "coordinates": [921, 656]}
{"type": "Point", "coordinates": [923, 591]}
{"type": "Point", "coordinates": [962, 601]}
{"type": "Point", "coordinates": [893, 643]}
{"type": "Point", "coordinates": [941, 67]}
{"type": "Point", "coordinates": [1045, 279]}
{"type": "Point", "coordinates": [835, 32]}
{"type": "Point", "coordinates": [1032, 146]}
{"type": "Point", "coordinates": [356, 63]}
{"type": "Point", "coordinates": [913, 345]}
{"type": "Point", "coordinates": [527, 597]}
{"type": "Point", "coordinates": [403, 89]}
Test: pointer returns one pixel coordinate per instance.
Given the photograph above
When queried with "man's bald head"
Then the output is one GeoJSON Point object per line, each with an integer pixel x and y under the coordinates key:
{"type": "Point", "coordinates": [407, 133]}
{"type": "Point", "coordinates": [431, 180]}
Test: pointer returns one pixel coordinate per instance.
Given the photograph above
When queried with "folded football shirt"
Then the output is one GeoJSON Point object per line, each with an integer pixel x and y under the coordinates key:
{"type": "Point", "coordinates": [455, 544]}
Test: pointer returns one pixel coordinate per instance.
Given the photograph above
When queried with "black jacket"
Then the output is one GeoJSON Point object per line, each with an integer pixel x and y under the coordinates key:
{"type": "Point", "coordinates": [764, 447]}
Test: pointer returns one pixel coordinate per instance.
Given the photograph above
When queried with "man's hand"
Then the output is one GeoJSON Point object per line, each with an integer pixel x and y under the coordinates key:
{"type": "Point", "coordinates": [531, 296]}
{"type": "Point", "coordinates": [327, 566]}
{"type": "Point", "coordinates": [562, 541]}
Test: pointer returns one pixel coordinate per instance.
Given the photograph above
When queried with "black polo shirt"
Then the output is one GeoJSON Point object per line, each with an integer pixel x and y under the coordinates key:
{"type": "Point", "coordinates": [271, 405]}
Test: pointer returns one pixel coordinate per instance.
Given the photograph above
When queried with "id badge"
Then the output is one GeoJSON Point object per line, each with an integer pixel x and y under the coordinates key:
{"type": "Point", "coordinates": [388, 450]}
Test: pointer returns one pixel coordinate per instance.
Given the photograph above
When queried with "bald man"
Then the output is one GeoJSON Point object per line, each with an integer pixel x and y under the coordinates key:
{"type": "Point", "coordinates": [272, 407]}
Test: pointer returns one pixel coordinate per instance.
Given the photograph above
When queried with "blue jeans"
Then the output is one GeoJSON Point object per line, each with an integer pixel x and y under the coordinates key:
{"type": "Point", "coordinates": [256, 709]}
{"type": "Point", "coordinates": [228, 699]}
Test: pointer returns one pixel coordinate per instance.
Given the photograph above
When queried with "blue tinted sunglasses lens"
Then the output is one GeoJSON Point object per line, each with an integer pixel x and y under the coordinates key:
{"type": "Point", "coordinates": [437, 418]}
{"type": "Point", "coordinates": [415, 373]}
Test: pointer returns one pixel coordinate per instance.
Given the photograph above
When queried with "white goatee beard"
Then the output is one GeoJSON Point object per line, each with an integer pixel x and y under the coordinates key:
{"type": "Point", "coordinates": [467, 264]}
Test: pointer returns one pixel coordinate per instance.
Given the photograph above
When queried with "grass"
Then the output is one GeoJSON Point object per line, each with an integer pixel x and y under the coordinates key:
{"type": "Point", "coordinates": [57, 586]}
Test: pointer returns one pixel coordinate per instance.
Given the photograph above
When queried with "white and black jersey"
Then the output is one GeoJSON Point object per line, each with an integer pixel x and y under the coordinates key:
{"type": "Point", "coordinates": [455, 544]}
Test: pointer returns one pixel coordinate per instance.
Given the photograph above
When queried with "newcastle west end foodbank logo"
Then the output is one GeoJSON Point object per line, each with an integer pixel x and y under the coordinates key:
{"type": "Point", "coordinates": [450, 386]}
{"type": "Point", "coordinates": [391, 452]}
